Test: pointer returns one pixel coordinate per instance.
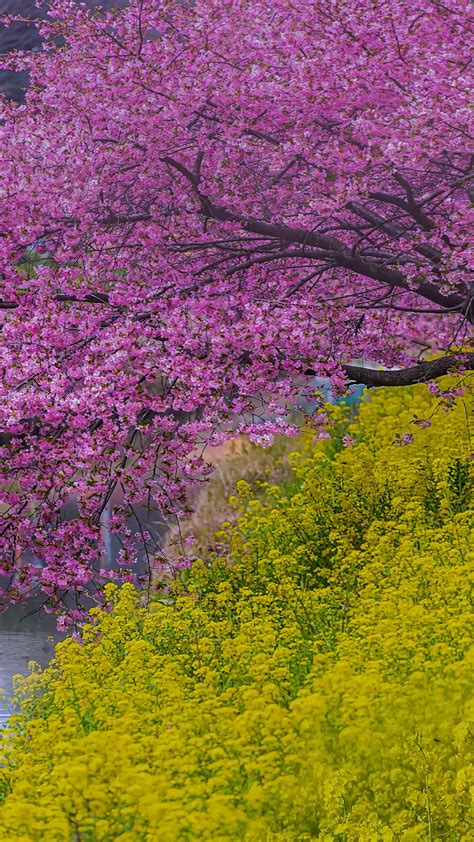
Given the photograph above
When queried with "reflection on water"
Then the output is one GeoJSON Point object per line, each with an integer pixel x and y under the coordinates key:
{"type": "Point", "coordinates": [23, 638]}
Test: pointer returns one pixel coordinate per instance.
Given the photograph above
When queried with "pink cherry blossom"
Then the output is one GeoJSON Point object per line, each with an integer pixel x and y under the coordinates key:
{"type": "Point", "coordinates": [204, 206]}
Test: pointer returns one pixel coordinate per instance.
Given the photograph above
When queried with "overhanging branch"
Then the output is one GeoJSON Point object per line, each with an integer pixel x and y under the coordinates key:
{"type": "Point", "coordinates": [421, 373]}
{"type": "Point", "coordinates": [337, 252]}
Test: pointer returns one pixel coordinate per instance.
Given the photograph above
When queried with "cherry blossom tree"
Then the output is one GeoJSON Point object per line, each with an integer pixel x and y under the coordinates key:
{"type": "Point", "coordinates": [204, 205]}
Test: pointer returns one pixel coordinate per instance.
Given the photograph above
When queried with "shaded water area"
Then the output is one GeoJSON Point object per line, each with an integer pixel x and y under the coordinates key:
{"type": "Point", "coordinates": [26, 634]}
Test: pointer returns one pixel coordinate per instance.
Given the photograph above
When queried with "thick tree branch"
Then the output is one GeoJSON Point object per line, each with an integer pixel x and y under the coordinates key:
{"type": "Point", "coordinates": [421, 373]}
{"type": "Point", "coordinates": [337, 251]}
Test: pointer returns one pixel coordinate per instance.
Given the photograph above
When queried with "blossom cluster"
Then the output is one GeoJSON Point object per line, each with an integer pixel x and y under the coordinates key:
{"type": "Point", "coordinates": [315, 682]}
{"type": "Point", "coordinates": [204, 204]}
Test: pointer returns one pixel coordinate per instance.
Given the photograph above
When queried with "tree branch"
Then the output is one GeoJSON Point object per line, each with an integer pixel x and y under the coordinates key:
{"type": "Point", "coordinates": [338, 252]}
{"type": "Point", "coordinates": [421, 373]}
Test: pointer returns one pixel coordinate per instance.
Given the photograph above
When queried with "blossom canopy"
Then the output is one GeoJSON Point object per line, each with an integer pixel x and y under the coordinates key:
{"type": "Point", "coordinates": [204, 205]}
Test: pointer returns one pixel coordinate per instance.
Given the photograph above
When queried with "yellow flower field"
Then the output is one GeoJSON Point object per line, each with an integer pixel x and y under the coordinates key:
{"type": "Point", "coordinates": [312, 681]}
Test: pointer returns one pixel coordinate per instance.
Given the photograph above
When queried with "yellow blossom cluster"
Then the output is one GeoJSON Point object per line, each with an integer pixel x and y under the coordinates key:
{"type": "Point", "coordinates": [313, 681]}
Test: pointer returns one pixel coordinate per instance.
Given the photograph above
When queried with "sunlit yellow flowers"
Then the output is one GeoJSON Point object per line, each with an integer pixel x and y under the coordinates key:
{"type": "Point", "coordinates": [313, 682]}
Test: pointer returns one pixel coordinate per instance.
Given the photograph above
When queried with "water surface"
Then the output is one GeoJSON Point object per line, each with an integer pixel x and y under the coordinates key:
{"type": "Point", "coordinates": [24, 637]}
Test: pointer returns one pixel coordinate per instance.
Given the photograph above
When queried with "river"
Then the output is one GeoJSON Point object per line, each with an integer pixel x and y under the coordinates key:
{"type": "Point", "coordinates": [24, 637]}
{"type": "Point", "coordinates": [28, 634]}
